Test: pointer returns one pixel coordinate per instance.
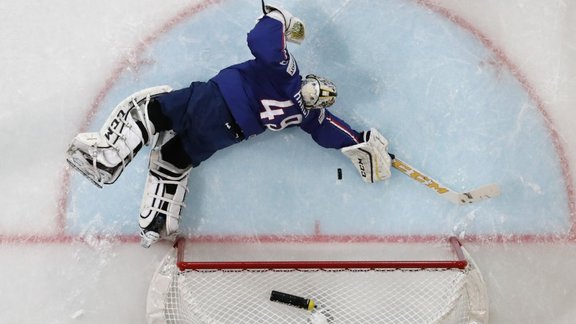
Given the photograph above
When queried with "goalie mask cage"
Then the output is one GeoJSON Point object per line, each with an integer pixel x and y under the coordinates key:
{"type": "Point", "coordinates": [397, 291]}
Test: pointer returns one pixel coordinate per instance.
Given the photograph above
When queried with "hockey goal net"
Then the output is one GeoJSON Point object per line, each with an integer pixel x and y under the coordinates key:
{"type": "Point", "coordinates": [312, 291]}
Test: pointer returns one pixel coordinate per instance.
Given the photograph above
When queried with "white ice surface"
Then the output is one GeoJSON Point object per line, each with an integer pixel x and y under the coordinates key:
{"type": "Point", "coordinates": [61, 59]}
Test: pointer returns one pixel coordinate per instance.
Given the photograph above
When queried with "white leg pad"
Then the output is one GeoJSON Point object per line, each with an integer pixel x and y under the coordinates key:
{"type": "Point", "coordinates": [164, 194]}
{"type": "Point", "coordinates": [102, 156]}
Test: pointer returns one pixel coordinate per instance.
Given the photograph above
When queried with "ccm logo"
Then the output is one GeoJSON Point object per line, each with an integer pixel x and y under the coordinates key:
{"type": "Point", "coordinates": [113, 125]}
{"type": "Point", "coordinates": [361, 168]}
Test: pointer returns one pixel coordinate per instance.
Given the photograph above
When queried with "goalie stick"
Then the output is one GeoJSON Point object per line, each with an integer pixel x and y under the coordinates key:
{"type": "Point", "coordinates": [460, 198]}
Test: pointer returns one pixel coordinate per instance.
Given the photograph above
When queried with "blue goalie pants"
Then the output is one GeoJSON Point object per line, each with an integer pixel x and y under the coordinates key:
{"type": "Point", "coordinates": [201, 120]}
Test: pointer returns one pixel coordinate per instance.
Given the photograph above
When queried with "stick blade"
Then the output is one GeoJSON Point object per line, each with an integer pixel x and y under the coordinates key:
{"type": "Point", "coordinates": [485, 192]}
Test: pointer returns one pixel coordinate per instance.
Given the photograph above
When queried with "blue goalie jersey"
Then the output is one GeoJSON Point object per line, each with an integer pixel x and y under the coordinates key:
{"type": "Point", "coordinates": [264, 93]}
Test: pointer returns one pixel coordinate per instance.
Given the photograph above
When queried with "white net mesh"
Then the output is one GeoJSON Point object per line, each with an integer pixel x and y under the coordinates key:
{"type": "Point", "coordinates": [341, 295]}
{"type": "Point", "coordinates": [348, 296]}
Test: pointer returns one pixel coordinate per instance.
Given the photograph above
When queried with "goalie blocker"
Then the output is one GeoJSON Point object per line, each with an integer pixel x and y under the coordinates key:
{"type": "Point", "coordinates": [294, 28]}
{"type": "Point", "coordinates": [371, 157]}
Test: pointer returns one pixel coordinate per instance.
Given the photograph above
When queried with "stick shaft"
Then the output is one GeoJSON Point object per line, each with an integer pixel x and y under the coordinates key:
{"type": "Point", "coordinates": [453, 196]}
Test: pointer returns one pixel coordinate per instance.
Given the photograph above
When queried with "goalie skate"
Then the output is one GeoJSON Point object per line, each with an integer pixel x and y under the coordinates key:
{"type": "Point", "coordinates": [101, 157]}
{"type": "Point", "coordinates": [84, 160]}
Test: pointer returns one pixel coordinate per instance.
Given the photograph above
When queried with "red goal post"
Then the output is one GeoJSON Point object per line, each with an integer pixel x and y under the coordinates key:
{"type": "Point", "coordinates": [459, 262]}
{"type": "Point", "coordinates": [343, 291]}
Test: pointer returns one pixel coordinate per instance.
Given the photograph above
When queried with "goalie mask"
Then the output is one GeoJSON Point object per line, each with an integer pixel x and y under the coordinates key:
{"type": "Point", "coordinates": [318, 92]}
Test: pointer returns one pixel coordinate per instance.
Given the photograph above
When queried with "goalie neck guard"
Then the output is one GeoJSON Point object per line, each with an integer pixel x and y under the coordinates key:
{"type": "Point", "coordinates": [318, 92]}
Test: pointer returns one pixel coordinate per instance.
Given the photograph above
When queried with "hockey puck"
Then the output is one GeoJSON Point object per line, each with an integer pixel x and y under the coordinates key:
{"type": "Point", "coordinates": [339, 174]}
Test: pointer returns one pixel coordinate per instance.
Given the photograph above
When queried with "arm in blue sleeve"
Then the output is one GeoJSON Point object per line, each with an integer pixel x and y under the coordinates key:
{"type": "Point", "coordinates": [267, 41]}
{"type": "Point", "coordinates": [328, 130]}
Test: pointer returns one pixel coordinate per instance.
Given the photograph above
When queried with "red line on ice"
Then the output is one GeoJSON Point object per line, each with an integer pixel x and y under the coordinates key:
{"type": "Point", "coordinates": [317, 236]}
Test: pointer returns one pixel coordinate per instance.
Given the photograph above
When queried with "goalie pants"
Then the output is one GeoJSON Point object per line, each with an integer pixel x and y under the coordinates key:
{"type": "Point", "coordinates": [201, 120]}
